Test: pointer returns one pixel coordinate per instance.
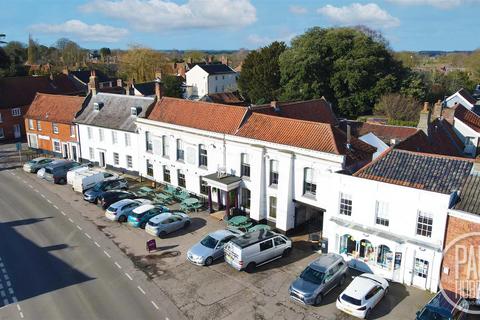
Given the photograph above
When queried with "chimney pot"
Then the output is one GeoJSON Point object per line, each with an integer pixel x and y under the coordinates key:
{"type": "Point", "coordinates": [93, 83]}
{"type": "Point", "coordinates": [119, 83]}
{"type": "Point", "coordinates": [426, 106]}
{"type": "Point", "coordinates": [158, 90]}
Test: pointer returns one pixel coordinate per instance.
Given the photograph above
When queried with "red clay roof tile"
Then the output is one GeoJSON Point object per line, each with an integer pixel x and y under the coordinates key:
{"type": "Point", "coordinates": [54, 108]}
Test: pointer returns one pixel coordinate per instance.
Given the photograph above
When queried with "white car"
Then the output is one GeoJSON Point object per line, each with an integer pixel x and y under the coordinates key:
{"type": "Point", "coordinates": [120, 210]}
{"type": "Point", "coordinates": [41, 173]}
{"type": "Point", "coordinates": [362, 295]}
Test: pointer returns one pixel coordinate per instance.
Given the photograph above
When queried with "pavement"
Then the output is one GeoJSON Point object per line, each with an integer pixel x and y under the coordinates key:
{"type": "Point", "coordinates": [66, 261]}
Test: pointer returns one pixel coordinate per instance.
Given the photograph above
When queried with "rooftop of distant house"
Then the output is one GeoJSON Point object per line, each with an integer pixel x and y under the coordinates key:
{"type": "Point", "coordinates": [54, 108]}
{"type": "Point", "coordinates": [145, 88]}
{"type": "Point", "coordinates": [430, 172]}
{"type": "Point", "coordinates": [215, 68]}
{"type": "Point", "coordinates": [230, 98]}
{"type": "Point", "coordinates": [469, 196]}
{"type": "Point", "coordinates": [84, 76]}
{"type": "Point", "coordinates": [467, 96]}
{"type": "Point", "coordinates": [468, 117]}
{"type": "Point", "coordinates": [387, 133]}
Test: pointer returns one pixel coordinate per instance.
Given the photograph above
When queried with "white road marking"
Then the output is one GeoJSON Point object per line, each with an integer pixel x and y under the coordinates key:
{"type": "Point", "coordinates": [63, 213]}
{"type": "Point", "coordinates": [88, 236]}
{"type": "Point", "coordinates": [106, 253]}
{"type": "Point", "coordinates": [18, 307]}
{"type": "Point", "coordinates": [55, 207]}
{"type": "Point", "coordinates": [70, 219]}
{"type": "Point", "coordinates": [155, 305]}
{"type": "Point", "coordinates": [31, 187]}
{"type": "Point", "coordinates": [21, 314]}
{"type": "Point", "coordinates": [97, 244]}
{"type": "Point", "coordinates": [128, 276]}
{"type": "Point", "coordinates": [48, 200]}
{"type": "Point", "coordinates": [118, 266]}
{"type": "Point", "coordinates": [37, 191]}
{"type": "Point", "coordinates": [78, 227]}
{"type": "Point", "coordinates": [43, 196]}
{"type": "Point", "coordinates": [141, 290]}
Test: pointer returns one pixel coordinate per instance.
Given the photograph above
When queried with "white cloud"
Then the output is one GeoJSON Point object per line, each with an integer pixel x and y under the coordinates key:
{"type": "Point", "coordinates": [259, 41]}
{"type": "Point", "coordinates": [158, 15]}
{"type": "Point", "coordinates": [442, 4]}
{"type": "Point", "coordinates": [297, 9]}
{"type": "Point", "coordinates": [369, 14]}
{"type": "Point", "coordinates": [82, 31]}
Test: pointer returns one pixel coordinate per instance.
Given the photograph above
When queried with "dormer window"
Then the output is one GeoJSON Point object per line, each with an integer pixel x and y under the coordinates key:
{"type": "Point", "coordinates": [97, 106]}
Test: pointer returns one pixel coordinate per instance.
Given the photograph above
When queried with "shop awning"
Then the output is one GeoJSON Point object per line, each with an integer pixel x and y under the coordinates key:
{"type": "Point", "coordinates": [384, 234]}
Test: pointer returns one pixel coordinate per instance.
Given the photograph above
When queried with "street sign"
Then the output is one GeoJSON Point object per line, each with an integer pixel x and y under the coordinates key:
{"type": "Point", "coordinates": [151, 245]}
{"type": "Point", "coordinates": [18, 145]}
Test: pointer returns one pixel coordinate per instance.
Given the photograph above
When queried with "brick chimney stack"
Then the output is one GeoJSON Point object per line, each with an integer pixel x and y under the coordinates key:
{"type": "Point", "coordinates": [119, 83]}
{"type": "Point", "coordinates": [158, 90]}
{"type": "Point", "coordinates": [128, 90]}
{"type": "Point", "coordinates": [425, 116]}
{"type": "Point", "coordinates": [224, 60]}
{"type": "Point", "coordinates": [93, 83]}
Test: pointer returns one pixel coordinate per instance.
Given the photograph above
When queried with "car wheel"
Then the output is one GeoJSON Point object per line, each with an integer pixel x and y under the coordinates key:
{"type": "Point", "coordinates": [95, 201]}
{"type": "Point", "coordinates": [187, 223]}
{"type": "Point", "coordinates": [318, 299]}
{"type": "Point", "coordinates": [208, 261]}
{"type": "Point", "coordinates": [385, 292]}
{"type": "Point", "coordinates": [367, 314]}
{"type": "Point", "coordinates": [342, 281]}
{"type": "Point", "coordinates": [162, 234]}
{"type": "Point", "coordinates": [122, 219]}
{"type": "Point", "coordinates": [286, 252]}
{"type": "Point", "coordinates": [250, 267]}
{"type": "Point", "coordinates": [61, 181]}
{"type": "Point", "coordinates": [142, 225]}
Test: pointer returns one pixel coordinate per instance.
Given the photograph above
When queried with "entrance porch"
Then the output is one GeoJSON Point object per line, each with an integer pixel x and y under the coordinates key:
{"type": "Point", "coordinates": [227, 187]}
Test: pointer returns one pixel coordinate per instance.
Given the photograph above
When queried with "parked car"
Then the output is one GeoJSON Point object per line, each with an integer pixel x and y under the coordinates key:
{"type": "Point", "coordinates": [318, 278]}
{"type": "Point", "coordinates": [362, 295]}
{"type": "Point", "coordinates": [41, 173]}
{"type": "Point", "coordinates": [453, 308]}
{"type": "Point", "coordinates": [255, 249]}
{"type": "Point", "coordinates": [72, 172]}
{"type": "Point", "coordinates": [36, 164]}
{"type": "Point", "coordinates": [85, 180]}
{"type": "Point", "coordinates": [92, 194]}
{"type": "Point", "coordinates": [109, 197]}
{"type": "Point", "coordinates": [140, 216]}
{"type": "Point", "coordinates": [210, 248]}
{"type": "Point", "coordinates": [120, 210]}
{"type": "Point", "coordinates": [56, 171]}
{"type": "Point", "coordinates": [167, 222]}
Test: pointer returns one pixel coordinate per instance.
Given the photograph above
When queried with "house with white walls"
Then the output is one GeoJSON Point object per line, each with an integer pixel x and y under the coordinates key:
{"type": "Point", "coordinates": [210, 78]}
{"type": "Point", "coordinates": [390, 217]}
{"type": "Point", "coordinates": [108, 132]}
{"type": "Point", "coordinates": [466, 125]}
{"type": "Point", "coordinates": [267, 166]}
{"type": "Point", "coordinates": [462, 97]}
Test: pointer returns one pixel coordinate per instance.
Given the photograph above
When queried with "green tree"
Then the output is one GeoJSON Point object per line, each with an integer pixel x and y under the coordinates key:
{"type": "Point", "coordinates": [140, 63]}
{"type": "Point", "coordinates": [398, 107]}
{"type": "Point", "coordinates": [259, 80]}
{"type": "Point", "coordinates": [32, 51]}
{"type": "Point", "coordinates": [347, 66]}
{"type": "Point", "coordinates": [104, 52]}
{"type": "Point", "coordinates": [16, 51]}
{"type": "Point", "coordinates": [172, 86]}
{"type": "Point", "coordinates": [71, 54]}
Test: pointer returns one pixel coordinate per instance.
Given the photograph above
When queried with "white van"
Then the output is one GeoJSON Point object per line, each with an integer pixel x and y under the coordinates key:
{"type": "Point", "coordinates": [254, 249]}
{"type": "Point", "coordinates": [85, 180]}
{"type": "Point", "coordinates": [71, 174]}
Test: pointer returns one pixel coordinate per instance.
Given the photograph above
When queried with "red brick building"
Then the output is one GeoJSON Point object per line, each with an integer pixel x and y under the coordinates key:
{"type": "Point", "coordinates": [16, 94]}
{"type": "Point", "coordinates": [49, 126]}
{"type": "Point", "coordinates": [461, 261]}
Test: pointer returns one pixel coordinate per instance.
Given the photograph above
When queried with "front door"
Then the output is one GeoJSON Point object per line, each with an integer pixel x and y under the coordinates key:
{"type": "Point", "coordinates": [65, 151]}
{"type": "Point", "coordinates": [101, 160]}
{"type": "Point", "coordinates": [74, 153]}
{"type": "Point", "coordinates": [16, 131]}
{"type": "Point", "coordinates": [420, 273]}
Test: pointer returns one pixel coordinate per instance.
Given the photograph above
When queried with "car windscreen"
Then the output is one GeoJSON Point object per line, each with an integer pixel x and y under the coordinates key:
{"type": "Point", "coordinates": [99, 186]}
{"type": "Point", "coordinates": [209, 242]}
{"type": "Point", "coordinates": [49, 170]}
{"type": "Point", "coordinates": [351, 300]}
{"type": "Point", "coordinates": [428, 314]}
{"type": "Point", "coordinates": [312, 275]}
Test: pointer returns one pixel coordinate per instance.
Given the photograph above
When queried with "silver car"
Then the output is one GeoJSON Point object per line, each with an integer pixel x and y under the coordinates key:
{"type": "Point", "coordinates": [167, 222]}
{"type": "Point", "coordinates": [319, 278]}
{"type": "Point", "coordinates": [120, 210]}
{"type": "Point", "coordinates": [210, 247]}
{"type": "Point", "coordinates": [36, 164]}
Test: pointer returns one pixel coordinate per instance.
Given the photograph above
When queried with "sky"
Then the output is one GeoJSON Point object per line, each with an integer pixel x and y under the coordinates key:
{"type": "Point", "coordinates": [233, 24]}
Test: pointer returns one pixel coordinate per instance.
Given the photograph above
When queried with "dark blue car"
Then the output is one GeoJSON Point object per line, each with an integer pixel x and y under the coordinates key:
{"type": "Point", "coordinates": [441, 308]}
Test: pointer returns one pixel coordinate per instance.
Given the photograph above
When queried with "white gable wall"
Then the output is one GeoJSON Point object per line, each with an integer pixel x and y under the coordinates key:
{"type": "Point", "coordinates": [469, 137]}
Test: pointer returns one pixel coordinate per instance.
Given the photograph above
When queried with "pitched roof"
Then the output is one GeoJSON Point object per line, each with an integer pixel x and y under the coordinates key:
{"type": "Point", "coordinates": [317, 110]}
{"type": "Point", "coordinates": [429, 172]}
{"type": "Point", "coordinates": [145, 88]}
{"type": "Point", "coordinates": [469, 199]}
{"type": "Point", "coordinates": [303, 134]}
{"type": "Point", "coordinates": [468, 117]}
{"type": "Point", "coordinates": [20, 91]}
{"type": "Point", "coordinates": [384, 132]}
{"type": "Point", "coordinates": [84, 76]}
{"type": "Point", "coordinates": [115, 111]}
{"type": "Point", "coordinates": [54, 108]}
{"type": "Point", "coordinates": [215, 68]}
{"type": "Point", "coordinates": [230, 98]}
{"type": "Point", "coordinates": [467, 96]}
{"type": "Point", "coordinates": [199, 115]}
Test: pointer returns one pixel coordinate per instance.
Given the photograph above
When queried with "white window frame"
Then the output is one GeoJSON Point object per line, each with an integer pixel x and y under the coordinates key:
{"type": "Point", "coordinates": [39, 125]}
{"type": "Point", "coordinates": [89, 133]}
{"type": "Point", "coordinates": [270, 198]}
{"type": "Point", "coordinates": [382, 218]}
{"type": "Point", "coordinates": [101, 135]}
{"type": "Point", "coordinates": [55, 127]}
{"type": "Point", "coordinates": [129, 160]}
{"type": "Point", "coordinates": [165, 147]}
{"type": "Point", "coordinates": [116, 159]}
{"type": "Point", "coordinates": [114, 137]}
{"type": "Point", "coordinates": [59, 145]}
{"type": "Point", "coordinates": [2, 133]}
{"type": "Point", "coordinates": [426, 229]}
{"type": "Point", "coordinates": [73, 131]}
{"type": "Point", "coordinates": [309, 181]}
{"type": "Point", "coordinates": [128, 142]}
{"type": "Point", "coordinates": [180, 150]}
{"type": "Point", "coordinates": [30, 124]}
{"type": "Point", "coordinates": [16, 112]}
{"type": "Point", "coordinates": [345, 206]}
{"type": "Point", "coordinates": [91, 153]}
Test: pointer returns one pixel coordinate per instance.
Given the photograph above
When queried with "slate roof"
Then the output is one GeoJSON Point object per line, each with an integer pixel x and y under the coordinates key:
{"type": "Point", "coordinates": [215, 68]}
{"type": "Point", "coordinates": [199, 115]}
{"type": "Point", "coordinates": [428, 172]}
{"type": "Point", "coordinates": [469, 199]}
{"type": "Point", "coordinates": [54, 108]}
{"type": "Point", "coordinates": [468, 117]}
{"type": "Point", "coordinates": [303, 134]}
{"type": "Point", "coordinates": [84, 76]}
{"type": "Point", "coordinates": [467, 96]}
{"type": "Point", "coordinates": [145, 88]}
{"type": "Point", "coordinates": [115, 112]}
{"type": "Point", "coordinates": [20, 91]}
{"type": "Point", "coordinates": [317, 110]}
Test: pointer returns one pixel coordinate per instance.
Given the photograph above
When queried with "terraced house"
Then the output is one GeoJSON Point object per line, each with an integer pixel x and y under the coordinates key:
{"type": "Point", "coordinates": [235, 157]}
{"type": "Point", "coordinates": [49, 124]}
